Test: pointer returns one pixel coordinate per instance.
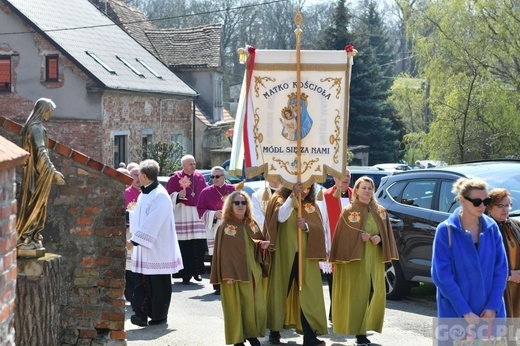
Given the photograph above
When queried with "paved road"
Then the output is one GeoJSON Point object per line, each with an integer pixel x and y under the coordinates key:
{"type": "Point", "coordinates": [195, 319]}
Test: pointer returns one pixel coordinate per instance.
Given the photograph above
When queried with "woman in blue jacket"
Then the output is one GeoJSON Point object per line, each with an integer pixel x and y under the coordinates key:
{"type": "Point", "coordinates": [469, 265]}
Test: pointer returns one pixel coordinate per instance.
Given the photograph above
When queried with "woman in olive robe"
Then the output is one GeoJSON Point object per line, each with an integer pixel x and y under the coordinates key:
{"type": "Point", "coordinates": [288, 306]}
{"type": "Point", "coordinates": [363, 242]}
{"type": "Point", "coordinates": [239, 251]}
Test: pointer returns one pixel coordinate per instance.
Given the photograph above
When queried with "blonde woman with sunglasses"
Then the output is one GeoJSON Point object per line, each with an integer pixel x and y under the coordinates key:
{"type": "Point", "coordinates": [469, 265]}
{"type": "Point", "coordinates": [239, 251]}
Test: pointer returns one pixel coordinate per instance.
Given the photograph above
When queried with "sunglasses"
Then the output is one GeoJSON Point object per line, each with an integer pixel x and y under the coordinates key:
{"type": "Point", "coordinates": [215, 176]}
{"type": "Point", "coordinates": [237, 203]}
{"type": "Point", "coordinates": [477, 201]}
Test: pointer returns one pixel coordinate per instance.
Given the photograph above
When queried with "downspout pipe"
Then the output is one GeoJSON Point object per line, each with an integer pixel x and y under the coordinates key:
{"type": "Point", "coordinates": [193, 128]}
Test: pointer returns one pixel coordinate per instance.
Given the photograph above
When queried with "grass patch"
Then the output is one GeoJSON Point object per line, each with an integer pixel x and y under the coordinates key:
{"type": "Point", "coordinates": [424, 291]}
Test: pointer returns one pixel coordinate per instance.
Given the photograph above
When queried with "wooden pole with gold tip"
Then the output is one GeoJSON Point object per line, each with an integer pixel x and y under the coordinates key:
{"type": "Point", "coordinates": [298, 19]}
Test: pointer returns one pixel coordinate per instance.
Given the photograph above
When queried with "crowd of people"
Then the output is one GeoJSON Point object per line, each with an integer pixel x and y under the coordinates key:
{"type": "Point", "coordinates": [270, 252]}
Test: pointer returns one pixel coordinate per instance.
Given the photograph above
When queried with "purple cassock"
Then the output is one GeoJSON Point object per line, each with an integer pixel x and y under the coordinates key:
{"type": "Point", "coordinates": [191, 231]}
{"type": "Point", "coordinates": [197, 183]}
{"type": "Point", "coordinates": [212, 200]}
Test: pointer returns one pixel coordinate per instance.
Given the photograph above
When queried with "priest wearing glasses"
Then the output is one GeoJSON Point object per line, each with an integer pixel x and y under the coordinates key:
{"type": "Point", "coordinates": [185, 188]}
{"type": "Point", "coordinates": [210, 205]}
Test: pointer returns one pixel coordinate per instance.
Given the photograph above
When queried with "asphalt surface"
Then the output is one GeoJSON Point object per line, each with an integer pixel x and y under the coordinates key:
{"type": "Point", "coordinates": [195, 319]}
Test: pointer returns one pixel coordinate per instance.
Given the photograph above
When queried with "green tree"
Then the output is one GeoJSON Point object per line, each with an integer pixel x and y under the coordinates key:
{"type": "Point", "coordinates": [167, 155]}
{"type": "Point", "coordinates": [408, 97]}
{"type": "Point", "coordinates": [469, 103]}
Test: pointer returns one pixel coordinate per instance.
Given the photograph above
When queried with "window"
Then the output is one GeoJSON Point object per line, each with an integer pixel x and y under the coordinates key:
{"type": "Point", "coordinates": [99, 61]}
{"type": "Point", "coordinates": [119, 149]}
{"type": "Point", "coordinates": [419, 193]}
{"type": "Point", "coordinates": [146, 140]}
{"type": "Point", "coordinates": [217, 92]}
{"type": "Point", "coordinates": [51, 68]}
{"type": "Point", "coordinates": [448, 201]}
{"type": "Point", "coordinates": [177, 138]}
{"type": "Point", "coordinates": [127, 64]}
{"type": "Point", "coordinates": [5, 73]}
{"type": "Point", "coordinates": [146, 66]}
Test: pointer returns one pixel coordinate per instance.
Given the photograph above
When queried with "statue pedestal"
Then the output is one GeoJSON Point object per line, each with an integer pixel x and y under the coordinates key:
{"type": "Point", "coordinates": [37, 316]}
{"type": "Point", "coordinates": [30, 253]}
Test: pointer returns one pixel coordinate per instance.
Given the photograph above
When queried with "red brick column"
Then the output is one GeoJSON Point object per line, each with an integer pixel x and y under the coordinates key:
{"type": "Point", "coordinates": [10, 157]}
{"type": "Point", "coordinates": [8, 238]}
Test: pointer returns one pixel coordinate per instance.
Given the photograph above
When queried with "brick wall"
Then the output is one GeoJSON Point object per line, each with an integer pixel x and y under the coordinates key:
{"type": "Point", "coordinates": [8, 237]}
{"type": "Point", "coordinates": [86, 226]}
{"type": "Point", "coordinates": [11, 156]}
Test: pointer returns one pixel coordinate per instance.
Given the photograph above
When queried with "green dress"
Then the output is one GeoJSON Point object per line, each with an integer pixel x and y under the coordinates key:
{"type": "Point", "coordinates": [358, 292]}
{"type": "Point", "coordinates": [283, 309]}
{"type": "Point", "coordinates": [243, 302]}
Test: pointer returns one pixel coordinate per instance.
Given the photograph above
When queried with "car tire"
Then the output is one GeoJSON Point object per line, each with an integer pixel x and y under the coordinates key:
{"type": "Point", "coordinates": [396, 285]}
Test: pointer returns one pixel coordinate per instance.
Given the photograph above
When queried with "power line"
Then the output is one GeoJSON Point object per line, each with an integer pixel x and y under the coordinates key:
{"type": "Point", "coordinates": [147, 20]}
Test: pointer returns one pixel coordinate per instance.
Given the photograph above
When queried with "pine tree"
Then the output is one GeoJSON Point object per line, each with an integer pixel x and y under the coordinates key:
{"type": "Point", "coordinates": [371, 117]}
{"type": "Point", "coordinates": [336, 36]}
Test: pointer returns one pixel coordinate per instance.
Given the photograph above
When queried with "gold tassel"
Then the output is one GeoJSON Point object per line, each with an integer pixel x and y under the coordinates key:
{"type": "Point", "coordinates": [319, 196]}
{"type": "Point", "coordinates": [294, 202]}
{"type": "Point", "coordinates": [239, 186]}
{"type": "Point", "coordinates": [265, 196]}
{"type": "Point", "coordinates": [337, 193]}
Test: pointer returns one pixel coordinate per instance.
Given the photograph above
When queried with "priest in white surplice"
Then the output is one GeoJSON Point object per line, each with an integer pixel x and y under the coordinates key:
{"type": "Point", "coordinates": [260, 199]}
{"type": "Point", "coordinates": [156, 254]}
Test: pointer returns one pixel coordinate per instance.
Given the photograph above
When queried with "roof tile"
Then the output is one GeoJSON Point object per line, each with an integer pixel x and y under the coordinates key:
{"type": "Point", "coordinates": [11, 155]}
{"type": "Point", "coordinates": [188, 47]}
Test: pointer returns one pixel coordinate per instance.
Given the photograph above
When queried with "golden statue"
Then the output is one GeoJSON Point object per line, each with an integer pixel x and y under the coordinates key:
{"type": "Point", "coordinates": [38, 175]}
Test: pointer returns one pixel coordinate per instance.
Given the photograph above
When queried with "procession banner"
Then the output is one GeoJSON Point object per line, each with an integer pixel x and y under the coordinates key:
{"type": "Point", "coordinates": [265, 133]}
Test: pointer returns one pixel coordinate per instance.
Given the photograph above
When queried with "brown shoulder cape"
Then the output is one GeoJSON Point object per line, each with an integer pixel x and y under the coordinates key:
{"type": "Point", "coordinates": [311, 214]}
{"type": "Point", "coordinates": [229, 256]}
{"type": "Point", "coordinates": [347, 243]}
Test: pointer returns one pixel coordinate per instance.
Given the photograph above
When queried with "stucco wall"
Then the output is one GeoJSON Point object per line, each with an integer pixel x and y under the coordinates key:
{"type": "Point", "coordinates": [30, 50]}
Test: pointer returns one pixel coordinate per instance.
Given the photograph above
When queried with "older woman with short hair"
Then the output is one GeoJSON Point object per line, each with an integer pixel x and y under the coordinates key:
{"type": "Point", "coordinates": [499, 209]}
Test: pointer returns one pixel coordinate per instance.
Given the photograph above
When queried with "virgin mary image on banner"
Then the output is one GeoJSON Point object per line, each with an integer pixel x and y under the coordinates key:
{"type": "Point", "coordinates": [289, 118]}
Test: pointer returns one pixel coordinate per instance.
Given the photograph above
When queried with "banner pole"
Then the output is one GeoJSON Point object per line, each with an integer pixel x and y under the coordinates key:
{"type": "Point", "coordinates": [298, 19]}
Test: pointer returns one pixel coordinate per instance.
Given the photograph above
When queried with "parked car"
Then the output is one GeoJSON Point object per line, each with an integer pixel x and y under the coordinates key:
{"type": "Point", "coordinates": [236, 179]}
{"type": "Point", "coordinates": [417, 201]}
{"type": "Point", "coordinates": [375, 174]}
{"type": "Point", "coordinates": [393, 167]}
{"type": "Point", "coordinates": [357, 172]}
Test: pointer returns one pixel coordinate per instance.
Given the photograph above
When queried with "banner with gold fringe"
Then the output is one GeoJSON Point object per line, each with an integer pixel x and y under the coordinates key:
{"type": "Point", "coordinates": [265, 133]}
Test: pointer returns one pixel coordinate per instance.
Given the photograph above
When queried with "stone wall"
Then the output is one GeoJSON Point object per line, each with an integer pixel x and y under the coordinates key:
{"type": "Point", "coordinates": [86, 226]}
{"type": "Point", "coordinates": [141, 114]}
